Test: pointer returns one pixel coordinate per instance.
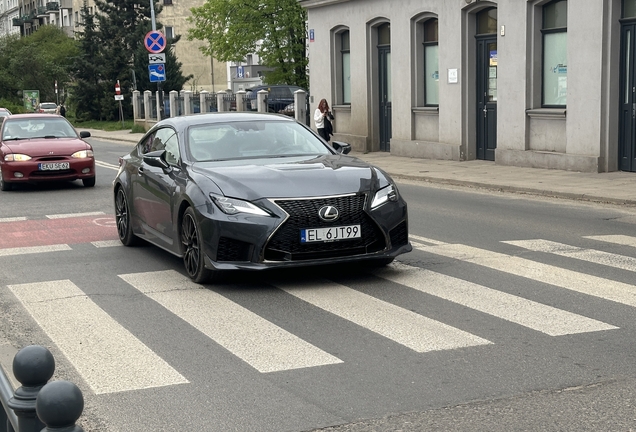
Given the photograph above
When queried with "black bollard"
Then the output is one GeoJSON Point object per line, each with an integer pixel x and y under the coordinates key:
{"type": "Point", "coordinates": [59, 404]}
{"type": "Point", "coordinates": [33, 367]}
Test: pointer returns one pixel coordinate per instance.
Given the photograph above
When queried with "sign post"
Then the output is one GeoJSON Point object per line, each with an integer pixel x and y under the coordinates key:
{"type": "Point", "coordinates": [119, 97]}
{"type": "Point", "coordinates": [155, 43]}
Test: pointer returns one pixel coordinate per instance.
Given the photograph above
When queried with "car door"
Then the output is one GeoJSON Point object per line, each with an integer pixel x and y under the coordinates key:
{"type": "Point", "coordinates": [154, 188]}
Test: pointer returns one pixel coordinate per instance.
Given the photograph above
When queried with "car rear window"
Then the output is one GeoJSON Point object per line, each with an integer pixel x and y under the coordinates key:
{"type": "Point", "coordinates": [48, 105]}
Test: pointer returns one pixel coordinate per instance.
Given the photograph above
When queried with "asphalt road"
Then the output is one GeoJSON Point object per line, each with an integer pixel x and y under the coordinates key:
{"type": "Point", "coordinates": [512, 313]}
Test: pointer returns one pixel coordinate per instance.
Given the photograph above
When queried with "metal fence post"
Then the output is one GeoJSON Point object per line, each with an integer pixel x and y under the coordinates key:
{"type": "Point", "coordinates": [59, 404]}
{"type": "Point", "coordinates": [33, 366]}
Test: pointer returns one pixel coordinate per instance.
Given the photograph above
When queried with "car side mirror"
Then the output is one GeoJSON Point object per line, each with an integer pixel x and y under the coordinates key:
{"type": "Point", "coordinates": [85, 134]}
{"type": "Point", "coordinates": [341, 147]}
{"type": "Point", "coordinates": [157, 159]}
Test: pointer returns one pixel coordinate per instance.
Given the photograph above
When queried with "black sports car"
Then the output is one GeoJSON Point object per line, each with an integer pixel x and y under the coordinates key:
{"type": "Point", "coordinates": [254, 191]}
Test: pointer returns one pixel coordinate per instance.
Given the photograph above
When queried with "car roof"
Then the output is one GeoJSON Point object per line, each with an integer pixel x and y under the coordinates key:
{"type": "Point", "coordinates": [32, 115]}
{"type": "Point", "coordinates": [221, 117]}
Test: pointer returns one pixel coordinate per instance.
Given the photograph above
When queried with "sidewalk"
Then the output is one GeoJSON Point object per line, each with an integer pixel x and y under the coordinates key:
{"type": "Point", "coordinates": [615, 187]}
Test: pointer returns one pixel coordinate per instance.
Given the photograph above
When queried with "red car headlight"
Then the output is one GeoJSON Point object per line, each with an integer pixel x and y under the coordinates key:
{"type": "Point", "coordinates": [83, 154]}
{"type": "Point", "coordinates": [16, 157]}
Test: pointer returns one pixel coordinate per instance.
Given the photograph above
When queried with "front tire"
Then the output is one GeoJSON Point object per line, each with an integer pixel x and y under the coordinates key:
{"type": "Point", "coordinates": [123, 220]}
{"type": "Point", "coordinates": [89, 182]}
{"type": "Point", "coordinates": [4, 186]}
{"type": "Point", "coordinates": [191, 247]}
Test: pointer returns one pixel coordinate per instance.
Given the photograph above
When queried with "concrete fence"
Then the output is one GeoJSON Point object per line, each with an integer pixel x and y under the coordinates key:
{"type": "Point", "coordinates": [148, 108]}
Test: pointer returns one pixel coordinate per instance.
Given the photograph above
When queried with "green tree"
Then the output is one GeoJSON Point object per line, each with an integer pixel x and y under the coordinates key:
{"type": "Point", "coordinates": [36, 62]}
{"type": "Point", "coordinates": [273, 29]}
{"type": "Point", "coordinates": [117, 29]}
{"type": "Point", "coordinates": [87, 70]}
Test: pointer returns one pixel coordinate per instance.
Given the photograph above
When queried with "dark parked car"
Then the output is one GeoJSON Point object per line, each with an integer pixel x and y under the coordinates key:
{"type": "Point", "coordinates": [279, 97]}
{"type": "Point", "coordinates": [41, 147]}
{"type": "Point", "coordinates": [241, 190]}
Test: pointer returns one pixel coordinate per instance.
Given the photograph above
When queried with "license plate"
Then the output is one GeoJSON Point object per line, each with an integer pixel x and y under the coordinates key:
{"type": "Point", "coordinates": [309, 235]}
{"type": "Point", "coordinates": [54, 166]}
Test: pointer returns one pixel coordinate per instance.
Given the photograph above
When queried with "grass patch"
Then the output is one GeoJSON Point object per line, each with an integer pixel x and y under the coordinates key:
{"type": "Point", "coordinates": [105, 125]}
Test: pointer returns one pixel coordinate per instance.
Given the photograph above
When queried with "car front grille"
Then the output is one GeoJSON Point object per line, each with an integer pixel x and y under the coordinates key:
{"type": "Point", "coordinates": [52, 173]}
{"type": "Point", "coordinates": [285, 244]}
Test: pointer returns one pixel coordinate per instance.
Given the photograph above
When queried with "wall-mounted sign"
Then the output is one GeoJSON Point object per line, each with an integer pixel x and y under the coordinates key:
{"type": "Point", "coordinates": [453, 76]}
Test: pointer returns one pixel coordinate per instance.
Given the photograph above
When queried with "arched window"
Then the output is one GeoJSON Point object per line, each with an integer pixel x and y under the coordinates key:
{"type": "Point", "coordinates": [345, 59]}
{"type": "Point", "coordinates": [487, 21]}
{"type": "Point", "coordinates": [555, 65]}
{"type": "Point", "coordinates": [431, 62]}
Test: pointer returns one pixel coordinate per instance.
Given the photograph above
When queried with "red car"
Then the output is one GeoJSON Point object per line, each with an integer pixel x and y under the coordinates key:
{"type": "Point", "coordinates": [43, 147]}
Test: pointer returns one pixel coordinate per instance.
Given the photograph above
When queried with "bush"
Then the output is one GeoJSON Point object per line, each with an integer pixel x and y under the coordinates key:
{"type": "Point", "coordinates": [137, 128]}
{"type": "Point", "coordinates": [12, 106]}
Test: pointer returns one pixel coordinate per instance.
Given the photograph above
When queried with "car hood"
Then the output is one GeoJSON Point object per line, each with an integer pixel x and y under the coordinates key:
{"type": "Point", "coordinates": [44, 146]}
{"type": "Point", "coordinates": [292, 177]}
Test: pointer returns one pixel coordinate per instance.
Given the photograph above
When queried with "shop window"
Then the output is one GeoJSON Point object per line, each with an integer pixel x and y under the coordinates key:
{"type": "Point", "coordinates": [555, 67]}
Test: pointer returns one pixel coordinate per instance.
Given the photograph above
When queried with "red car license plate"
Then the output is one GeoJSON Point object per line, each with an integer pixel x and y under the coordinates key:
{"type": "Point", "coordinates": [54, 166]}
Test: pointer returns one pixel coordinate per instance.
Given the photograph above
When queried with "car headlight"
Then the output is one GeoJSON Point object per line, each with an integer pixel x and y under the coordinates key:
{"type": "Point", "coordinates": [16, 157]}
{"type": "Point", "coordinates": [83, 154]}
{"type": "Point", "coordinates": [385, 194]}
{"type": "Point", "coordinates": [234, 206]}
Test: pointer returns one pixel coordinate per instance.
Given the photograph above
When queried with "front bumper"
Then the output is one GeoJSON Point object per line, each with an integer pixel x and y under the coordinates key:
{"type": "Point", "coordinates": [29, 172]}
{"type": "Point", "coordinates": [257, 242]}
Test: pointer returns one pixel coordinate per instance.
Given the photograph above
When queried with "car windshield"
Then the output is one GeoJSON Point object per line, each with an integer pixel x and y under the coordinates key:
{"type": "Point", "coordinates": [15, 129]}
{"type": "Point", "coordinates": [252, 139]}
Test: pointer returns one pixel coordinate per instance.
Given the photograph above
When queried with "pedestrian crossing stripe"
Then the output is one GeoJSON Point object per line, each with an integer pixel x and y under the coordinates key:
{"type": "Point", "coordinates": [588, 255]}
{"type": "Point", "coordinates": [537, 316]}
{"type": "Point", "coordinates": [263, 345]}
{"type": "Point", "coordinates": [412, 330]}
{"type": "Point", "coordinates": [107, 356]}
{"type": "Point", "coordinates": [578, 282]}
{"type": "Point", "coordinates": [616, 239]}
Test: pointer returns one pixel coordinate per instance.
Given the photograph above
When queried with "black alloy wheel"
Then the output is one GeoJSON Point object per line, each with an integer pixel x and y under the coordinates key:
{"type": "Point", "coordinates": [191, 247]}
{"type": "Point", "coordinates": [122, 220]}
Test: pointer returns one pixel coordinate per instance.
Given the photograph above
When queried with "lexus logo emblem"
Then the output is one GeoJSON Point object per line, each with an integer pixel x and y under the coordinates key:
{"type": "Point", "coordinates": [328, 213]}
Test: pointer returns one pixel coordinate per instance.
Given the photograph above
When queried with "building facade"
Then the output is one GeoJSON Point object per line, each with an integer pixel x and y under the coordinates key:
{"type": "Point", "coordinates": [26, 16]}
{"type": "Point", "coordinates": [533, 83]}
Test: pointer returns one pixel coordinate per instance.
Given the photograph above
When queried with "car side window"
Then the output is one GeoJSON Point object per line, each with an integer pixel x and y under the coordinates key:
{"type": "Point", "coordinates": [146, 145]}
{"type": "Point", "coordinates": [172, 149]}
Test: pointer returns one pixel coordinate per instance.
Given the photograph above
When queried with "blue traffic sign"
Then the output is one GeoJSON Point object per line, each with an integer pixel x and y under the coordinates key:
{"type": "Point", "coordinates": [155, 41]}
{"type": "Point", "coordinates": [157, 72]}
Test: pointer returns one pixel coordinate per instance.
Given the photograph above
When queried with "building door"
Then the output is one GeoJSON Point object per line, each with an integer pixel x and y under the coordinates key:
{"type": "Point", "coordinates": [486, 85]}
{"type": "Point", "coordinates": [627, 127]}
{"type": "Point", "coordinates": [486, 98]}
{"type": "Point", "coordinates": [384, 73]}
